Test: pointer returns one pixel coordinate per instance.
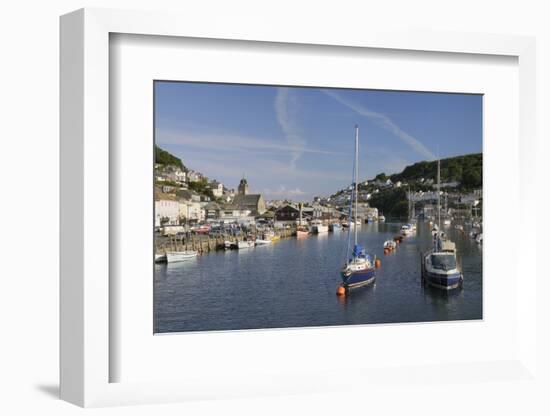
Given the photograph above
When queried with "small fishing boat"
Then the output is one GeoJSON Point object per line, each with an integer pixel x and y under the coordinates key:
{"type": "Point", "coordinates": [446, 222]}
{"type": "Point", "coordinates": [381, 218]}
{"type": "Point", "coordinates": [230, 245]}
{"type": "Point", "coordinates": [160, 258]}
{"type": "Point", "coordinates": [479, 238]}
{"type": "Point", "coordinates": [317, 227]}
{"type": "Point", "coordinates": [439, 267]}
{"type": "Point", "coordinates": [244, 244]}
{"type": "Point", "coordinates": [406, 229]}
{"type": "Point", "coordinates": [359, 269]}
{"type": "Point", "coordinates": [302, 232]}
{"type": "Point", "coordinates": [178, 256]}
{"type": "Point", "coordinates": [262, 242]}
{"type": "Point", "coordinates": [390, 244]}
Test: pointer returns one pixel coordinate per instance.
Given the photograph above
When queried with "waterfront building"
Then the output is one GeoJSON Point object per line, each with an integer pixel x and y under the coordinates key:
{"type": "Point", "coordinates": [287, 213]}
{"type": "Point", "coordinates": [166, 209]}
{"type": "Point", "coordinates": [212, 211]}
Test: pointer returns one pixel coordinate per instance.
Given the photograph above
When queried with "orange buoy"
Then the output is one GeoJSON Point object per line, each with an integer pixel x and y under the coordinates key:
{"type": "Point", "coordinates": [378, 263]}
{"type": "Point", "coordinates": [341, 291]}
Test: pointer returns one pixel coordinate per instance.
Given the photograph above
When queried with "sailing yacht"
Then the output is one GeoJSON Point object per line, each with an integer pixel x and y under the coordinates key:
{"type": "Point", "coordinates": [439, 267]}
{"type": "Point", "coordinates": [359, 269]}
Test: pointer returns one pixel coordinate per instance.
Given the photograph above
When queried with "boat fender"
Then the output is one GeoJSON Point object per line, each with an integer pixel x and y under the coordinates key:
{"type": "Point", "coordinates": [378, 263]}
{"type": "Point", "coordinates": [341, 291]}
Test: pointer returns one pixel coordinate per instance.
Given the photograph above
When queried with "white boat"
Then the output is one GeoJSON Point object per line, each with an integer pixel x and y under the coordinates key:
{"type": "Point", "coordinates": [381, 218]}
{"type": "Point", "coordinates": [446, 222]}
{"type": "Point", "coordinates": [479, 238]}
{"type": "Point", "coordinates": [390, 244]}
{"type": "Point", "coordinates": [261, 242]}
{"type": "Point", "coordinates": [160, 258]}
{"type": "Point", "coordinates": [407, 229]}
{"type": "Point", "coordinates": [245, 244]}
{"type": "Point", "coordinates": [229, 245]}
{"type": "Point", "coordinates": [317, 227]}
{"type": "Point", "coordinates": [177, 256]}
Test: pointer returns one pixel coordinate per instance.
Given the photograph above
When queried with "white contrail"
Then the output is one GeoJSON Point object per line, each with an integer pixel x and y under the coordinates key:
{"type": "Point", "coordinates": [285, 106]}
{"type": "Point", "coordinates": [384, 122]}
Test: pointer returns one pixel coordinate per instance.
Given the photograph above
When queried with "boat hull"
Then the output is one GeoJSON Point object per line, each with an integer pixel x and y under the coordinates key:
{"type": "Point", "coordinates": [176, 257]}
{"type": "Point", "coordinates": [359, 278]}
{"type": "Point", "coordinates": [441, 281]}
{"type": "Point", "coordinates": [242, 245]}
{"type": "Point", "coordinates": [319, 229]}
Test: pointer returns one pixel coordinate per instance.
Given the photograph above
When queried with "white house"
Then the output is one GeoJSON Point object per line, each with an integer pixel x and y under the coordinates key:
{"type": "Point", "coordinates": [166, 209]}
{"type": "Point", "coordinates": [194, 176]}
{"type": "Point", "coordinates": [217, 189]}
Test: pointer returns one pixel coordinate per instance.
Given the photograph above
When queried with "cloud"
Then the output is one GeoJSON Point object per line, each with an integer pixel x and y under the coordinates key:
{"type": "Point", "coordinates": [228, 142]}
{"type": "Point", "coordinates": [283, 192]}
{"type": "Point", "coordinates": [384, 122]}
{"type": "Point", "coordinates": [286, 107]}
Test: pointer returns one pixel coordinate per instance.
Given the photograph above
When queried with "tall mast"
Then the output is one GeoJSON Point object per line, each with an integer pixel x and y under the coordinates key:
{"type": "Point", "coordinates": [409, 206]}
{"type": "Point", "coordinates": [438, 197]}
{"type": "Point", "coordinates": [356, 178]}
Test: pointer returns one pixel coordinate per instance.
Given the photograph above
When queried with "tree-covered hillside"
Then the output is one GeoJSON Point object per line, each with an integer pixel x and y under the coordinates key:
{"type": "Point", "coordinates": [165, 158]}
{"type": "Point", "coordinates": [467, 170]}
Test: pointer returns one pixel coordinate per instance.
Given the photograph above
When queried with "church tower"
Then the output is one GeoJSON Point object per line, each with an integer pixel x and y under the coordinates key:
{"type": "Point", "coordinates": [243, 187]}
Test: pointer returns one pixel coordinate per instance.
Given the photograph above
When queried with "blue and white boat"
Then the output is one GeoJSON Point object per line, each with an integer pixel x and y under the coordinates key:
{"type": "Point", "coordinates": [439, 266]}
{"type": "Point", "coordinates": [359, 269]}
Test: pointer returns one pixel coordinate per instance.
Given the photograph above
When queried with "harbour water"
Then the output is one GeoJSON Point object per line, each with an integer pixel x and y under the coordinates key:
{"type": "Point", "coordinates": [292, 283]}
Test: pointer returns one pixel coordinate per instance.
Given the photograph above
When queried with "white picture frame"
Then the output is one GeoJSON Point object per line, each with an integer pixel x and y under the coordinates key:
{"type": "Point", "coordinates": [86, 301]}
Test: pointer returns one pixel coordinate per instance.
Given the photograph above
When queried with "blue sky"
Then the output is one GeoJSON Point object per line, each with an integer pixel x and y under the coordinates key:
{"type": "Point", "coordinates": [297, 143]}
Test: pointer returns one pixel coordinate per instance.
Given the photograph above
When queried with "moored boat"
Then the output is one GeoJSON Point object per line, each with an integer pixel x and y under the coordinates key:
{"type": "Point", "coordinates": [160, 258]}
{"type": "Point", "coordinates": [302, 232]}
{"type": "Point", "coordinates": [262, 242]}
{"type": "Point", "coordinates": [359, 269]}
{"type": "Point", "coordinates": [177, 256]}
{"type": "Point", "coordinates": [390, 244]}
{"type": "Point", "coordinates": [439, 266]}
{"type": "Point", "coordinates": [244, 244]}
{"type": "Point", "coordinates": [317, 227]}
{"type": "Point", "coordinates": [406, 229]}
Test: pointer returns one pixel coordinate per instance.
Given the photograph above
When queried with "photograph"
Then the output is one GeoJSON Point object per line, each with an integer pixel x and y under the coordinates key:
{"type": "Point", "coordinates": [294, 207]}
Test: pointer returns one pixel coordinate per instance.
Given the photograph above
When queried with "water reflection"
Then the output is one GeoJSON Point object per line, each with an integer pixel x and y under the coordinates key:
{"type": "Point", "coordinates": [292, 283]}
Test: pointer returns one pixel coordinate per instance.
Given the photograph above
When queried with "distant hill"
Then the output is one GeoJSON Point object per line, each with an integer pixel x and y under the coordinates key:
{"type": "Point", "coordinates": [165, 158]}
{"type": "Point", "coordinates": [466, 169]}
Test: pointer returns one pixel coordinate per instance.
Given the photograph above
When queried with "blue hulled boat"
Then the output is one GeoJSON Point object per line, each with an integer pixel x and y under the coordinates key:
{"type": "Point", "coordinates": [359, 269]}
